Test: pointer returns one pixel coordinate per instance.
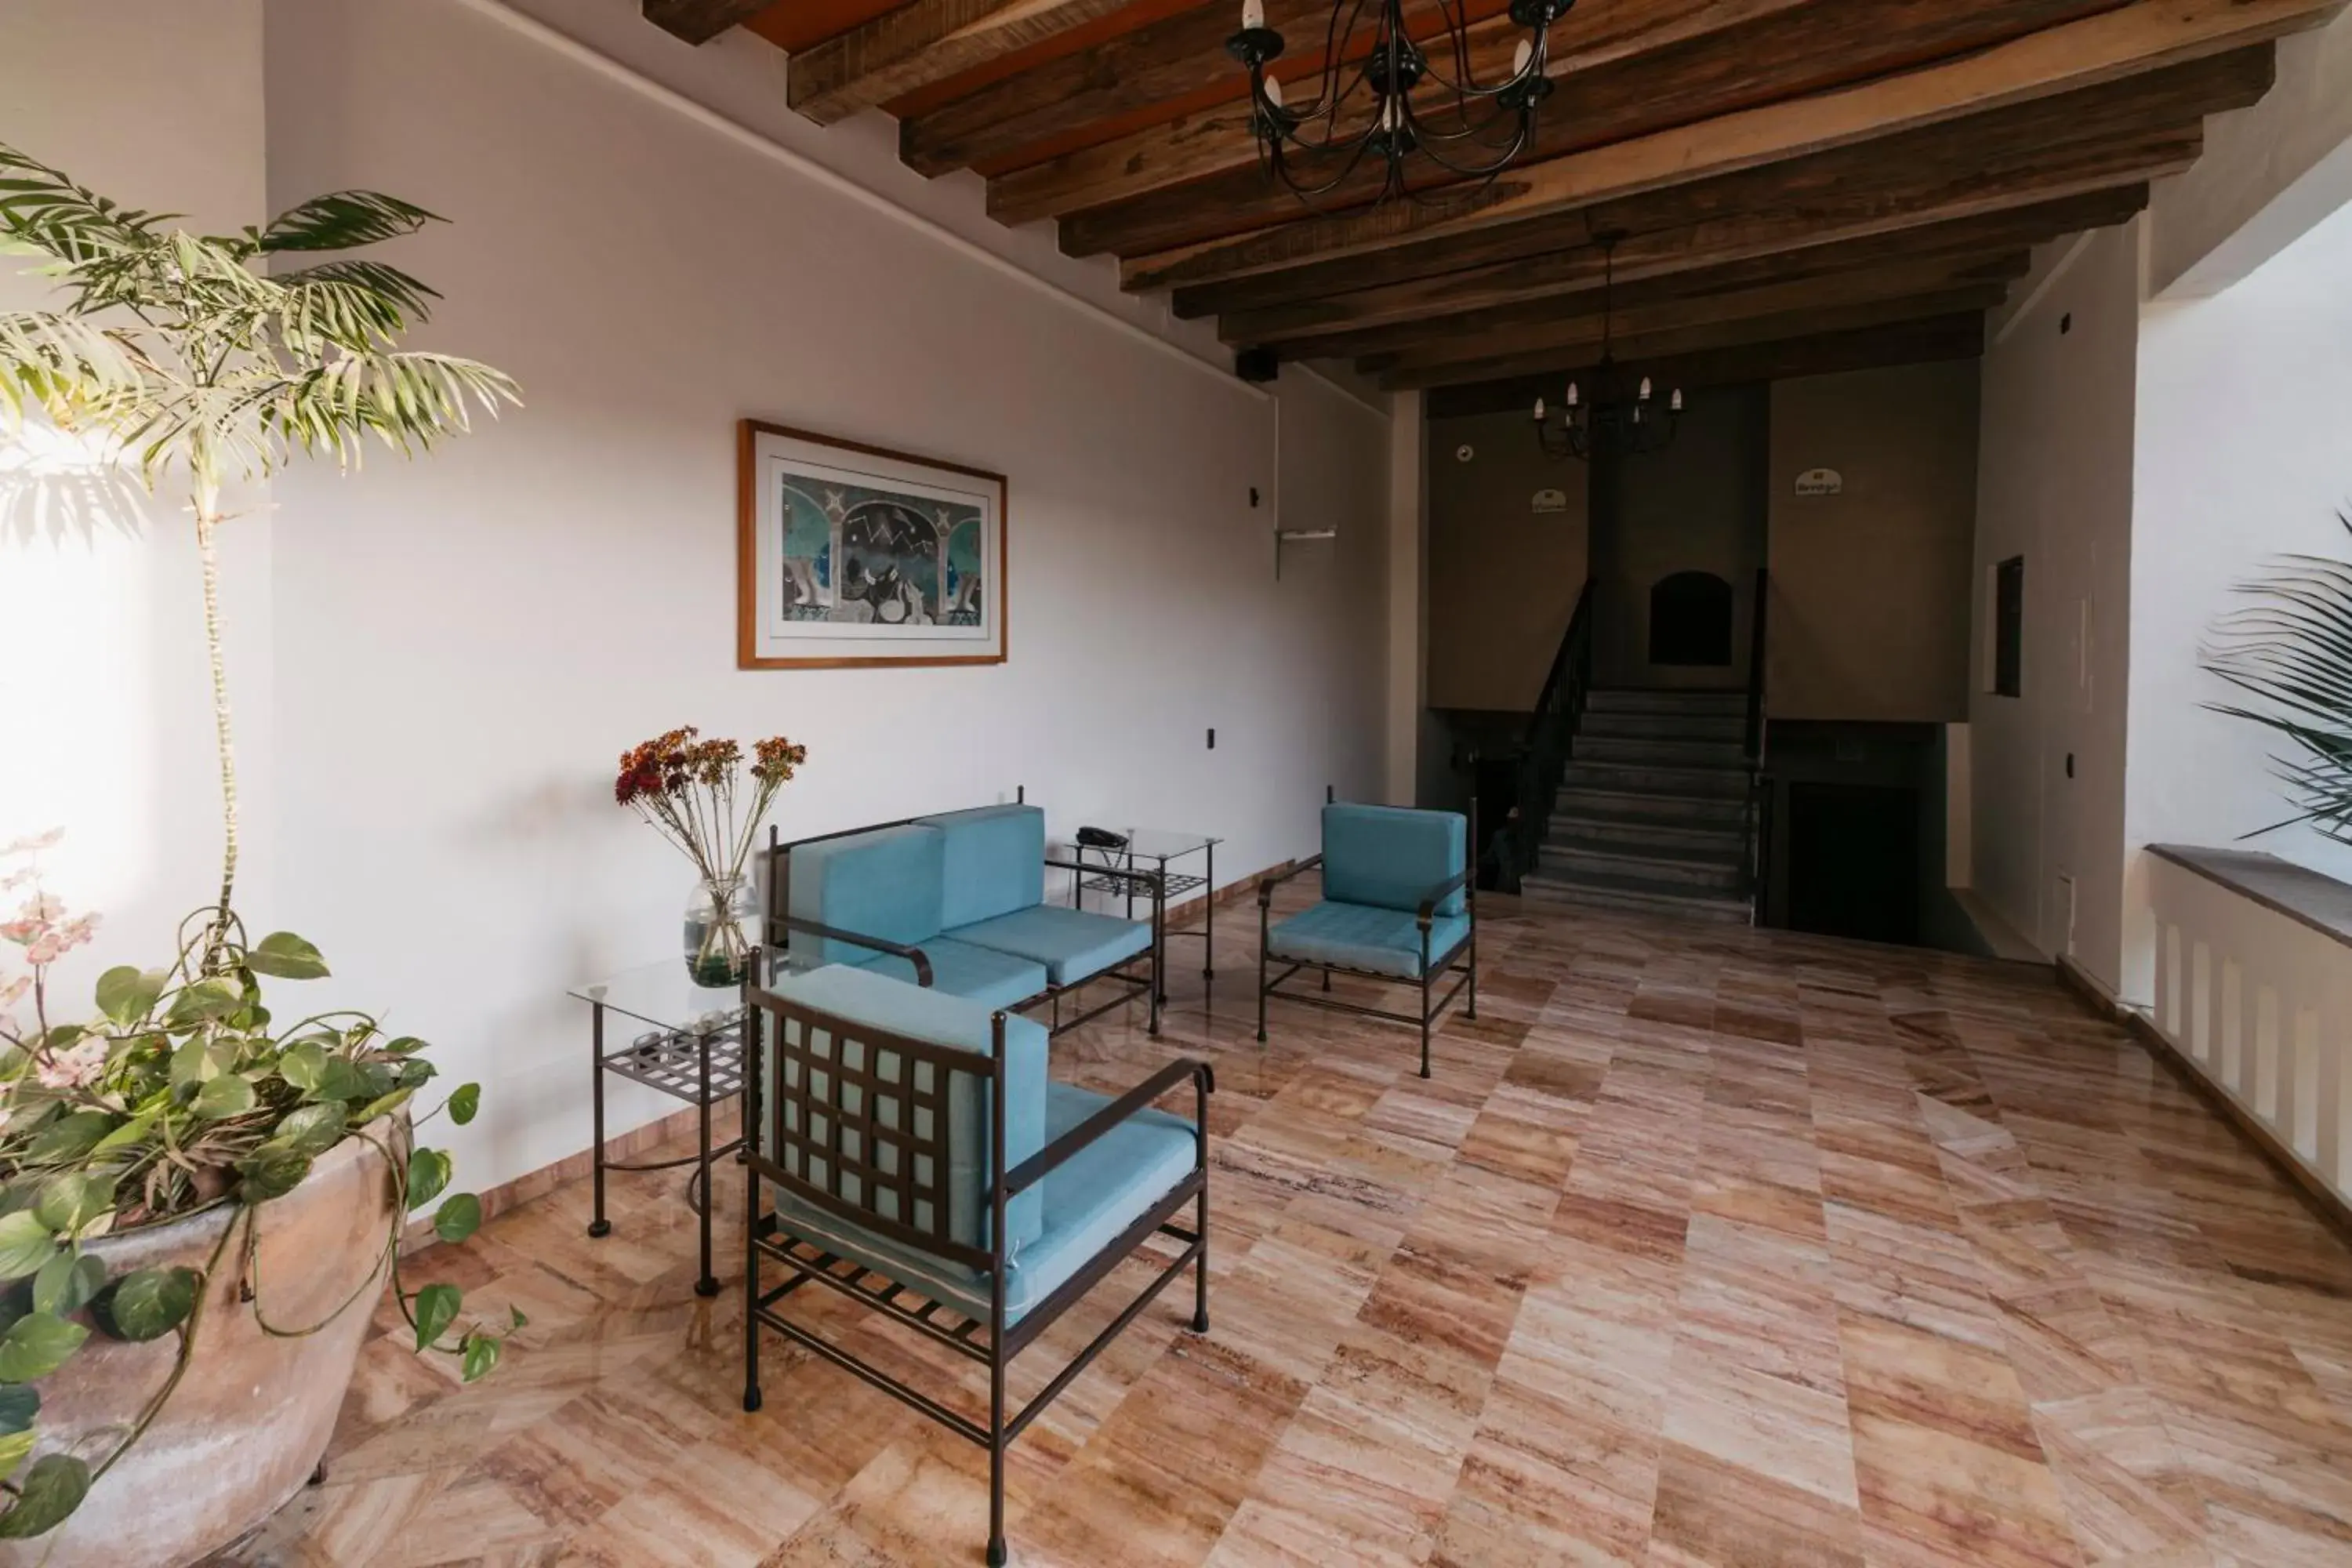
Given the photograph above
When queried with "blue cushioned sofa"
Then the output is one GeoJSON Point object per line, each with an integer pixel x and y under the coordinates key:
{"type": "Point", "coordinates": [907, 1150]}
{"type": "Point", "coordinates": [1400, 904]}
{"type": "Point", "coordinates": [956, 902]}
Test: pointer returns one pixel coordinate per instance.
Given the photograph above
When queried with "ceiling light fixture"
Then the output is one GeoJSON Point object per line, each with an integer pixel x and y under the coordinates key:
{"type": "Point", "coordinates": [1389, 101]}
{"type": "Point", "coordinates": [1608, 418]}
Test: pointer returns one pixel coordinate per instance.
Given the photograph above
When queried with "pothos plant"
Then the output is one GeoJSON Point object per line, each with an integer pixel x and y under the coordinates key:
{"type": "Point", "coordinates": [201, 360]}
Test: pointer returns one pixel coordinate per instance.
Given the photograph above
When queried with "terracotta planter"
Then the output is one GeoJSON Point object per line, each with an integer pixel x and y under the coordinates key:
{"type": "Point", "coordinates": [246, 1426]}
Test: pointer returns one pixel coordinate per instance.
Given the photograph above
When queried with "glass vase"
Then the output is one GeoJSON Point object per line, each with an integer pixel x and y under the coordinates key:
{"type": "Point", "coordinates": [722, 928]}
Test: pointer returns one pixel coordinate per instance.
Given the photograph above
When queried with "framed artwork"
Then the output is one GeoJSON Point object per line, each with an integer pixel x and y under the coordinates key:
{"type": "Point", "coordinates": [848, 555]}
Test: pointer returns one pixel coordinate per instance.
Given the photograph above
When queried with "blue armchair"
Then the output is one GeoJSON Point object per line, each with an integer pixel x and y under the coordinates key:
{"type": "Point", "coordinates": [956, 902]}
{"type": "Point", "coordinates": [907, 1150]}
{"type": "Point", "coordinates": [1399, 903]}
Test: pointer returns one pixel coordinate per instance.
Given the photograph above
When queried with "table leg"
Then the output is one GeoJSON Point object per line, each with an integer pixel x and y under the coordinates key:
{"type": "Point", "coordinates": [599, 1225]}
{"type": "Point", "coordinates": [1209, 920]}
{"type": "Point", "coordinates": [708, 1284]}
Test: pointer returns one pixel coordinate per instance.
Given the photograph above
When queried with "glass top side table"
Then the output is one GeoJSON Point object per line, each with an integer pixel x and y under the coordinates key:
{"type": "Point", "coordinates": [684, 1039]}
{"type": "Point", "coordinates": [1151, 849]}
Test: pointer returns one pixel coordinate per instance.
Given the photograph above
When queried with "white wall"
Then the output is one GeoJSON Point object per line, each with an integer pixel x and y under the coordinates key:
{"type": "Point", "coordinates": [105, 707]}
{"type": "Point", "coordinates": [2054, 485]}
{"type": "Point", "coordinates": [2244, 402]}
{"type": "Point", "coordinates": [464, 646]}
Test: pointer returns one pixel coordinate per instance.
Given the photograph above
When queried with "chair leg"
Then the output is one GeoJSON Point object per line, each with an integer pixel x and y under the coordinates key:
{"type": "Point", "coordinates": [1200, 1265]}
{"type": "Point", "coordinates": [1261, 975]}
{"type": "Point", "coordinates": [1424, 1020]}
{"type": "Point", "coordinates": [996, 1553]}
{"type": "Point", "coordinates": [751, 1290]}
{"type": "Point", "coordinates": [1327, 977]}
{"type": "Point", "coordinates": [1472, 1011]}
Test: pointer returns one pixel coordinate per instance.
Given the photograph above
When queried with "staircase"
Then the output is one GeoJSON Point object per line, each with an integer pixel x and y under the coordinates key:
{"type": "Point", "coordinates": [1651, 813]}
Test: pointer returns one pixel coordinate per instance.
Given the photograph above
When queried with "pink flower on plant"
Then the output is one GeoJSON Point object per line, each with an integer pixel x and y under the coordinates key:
{"type": "Point", "coordinates": [60, 940]}
{"type": "Point", "coordinates": [33, 843]}
{"type": "Point", "coordinates": [72, 1067]}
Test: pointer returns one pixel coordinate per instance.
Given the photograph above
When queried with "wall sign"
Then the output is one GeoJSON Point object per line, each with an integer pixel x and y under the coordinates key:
{"type": "Point", "coordinates": [1821, 482]}
{"type": "Point", "coordinates": [1551, 501]}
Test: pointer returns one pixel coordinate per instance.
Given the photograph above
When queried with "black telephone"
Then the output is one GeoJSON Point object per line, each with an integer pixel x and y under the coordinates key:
{"type": "Point", "coordinates": [1101, 838]}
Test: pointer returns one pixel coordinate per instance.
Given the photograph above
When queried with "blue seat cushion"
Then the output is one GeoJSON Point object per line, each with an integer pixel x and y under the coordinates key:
{"type": "Point", "coordinates": [884, 882]}
{"type": "Point", "coordinates": [858, 996]}
{"type": "Point", "coordinates": [975, 974]}
{"type": "Point", "coordinates": [1091, 1201]}
{"type": "Point", "coordinates": [1390, 857]}
{"type": "Point", "coordinates": [1073, 944]}
{"type": "Point", "coordinates": [995, 862]}
{"type": "Point", "coordinates": [1363, 936]}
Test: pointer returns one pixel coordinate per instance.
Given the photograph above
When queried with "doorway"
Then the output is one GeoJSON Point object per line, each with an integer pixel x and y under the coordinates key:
{"type": "Point", "coordinates": [1853, 861]}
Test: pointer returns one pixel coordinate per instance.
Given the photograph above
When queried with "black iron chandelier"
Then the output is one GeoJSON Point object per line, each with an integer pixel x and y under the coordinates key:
{"type": "Point", "coordinates": [1391, 102]}
{"type": "Point", "coordinates": [1611, 418]}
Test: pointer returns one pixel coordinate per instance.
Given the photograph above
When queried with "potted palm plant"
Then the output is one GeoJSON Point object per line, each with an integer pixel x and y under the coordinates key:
{"type": "Point", "coordinates": [2288, 651]}
{"type": "Point", "coordinates": [201, 1203]}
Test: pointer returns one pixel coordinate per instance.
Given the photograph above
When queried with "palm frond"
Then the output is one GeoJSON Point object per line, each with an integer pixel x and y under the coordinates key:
{"type": "Point", "coordinates": [66, 366]}
{"type": "Point", "coordinates": [354, 305]}
{"type": "Point", "coordinates": [45, 211]}
{"type": "Point", "coordinates": [408, 401]}
{"type": "Point", "coordinates": [2290, 652]}
{"type": "Point", "coordinates": [339, 220]}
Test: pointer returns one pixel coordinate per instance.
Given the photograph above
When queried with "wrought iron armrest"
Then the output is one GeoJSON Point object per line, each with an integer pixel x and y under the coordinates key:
{"type": "Point", "coordinates": [1152, 881]}
{"type": "Point", "coordinates": [1032, 1171]}
{"type": "Point", "coordinates": [1441, 892]}
{"type": "Point", "coordinates": [913, 955]}
{"type": "Point", "coordinates": [1268, 883]}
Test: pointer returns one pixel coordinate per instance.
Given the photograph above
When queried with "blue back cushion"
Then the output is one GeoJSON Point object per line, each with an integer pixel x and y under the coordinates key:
{"type": "Point", "coordinates": [1390, 857]}
{"type": "Point", "coordinates": [860, 996]}
{"type": "Point", "coordinates": [884, 883]}
{"type": "Point", "coordinates": [995, 862]}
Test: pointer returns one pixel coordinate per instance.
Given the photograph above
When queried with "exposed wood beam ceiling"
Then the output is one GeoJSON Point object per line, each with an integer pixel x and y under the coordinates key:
{"type": "Point", "coordinates": [1789, 182]}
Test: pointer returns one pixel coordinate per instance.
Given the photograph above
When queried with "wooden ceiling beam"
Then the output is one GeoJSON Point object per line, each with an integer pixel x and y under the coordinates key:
{"type": "Point", "coordinates": [1587, 330]}
{"type": "Point", "coordinates": [921, 44]}
{"type": "Point", "coordinates": [2078, 58]}
{"type": "Point", "coordinates": [1367, 321]}
{"type": "Point", "coordinates": [1641, 355]}
{"type": "Point", "coordinates": [1788, 54]}
{"type": "Point", "coordinates": [2118, 135]}
{"type": "Point", "coordinates": [1218, 139]}
{"type": "Point", "coordinates": [1934, 339]}
{"type": "Point", "coordinates": [700, 21]}
{"type": "Point", "coordinates": [1159, 62]}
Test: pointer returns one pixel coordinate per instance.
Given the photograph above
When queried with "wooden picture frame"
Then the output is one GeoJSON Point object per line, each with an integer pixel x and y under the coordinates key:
{"type": "Point", "coordinates": [853, 556]}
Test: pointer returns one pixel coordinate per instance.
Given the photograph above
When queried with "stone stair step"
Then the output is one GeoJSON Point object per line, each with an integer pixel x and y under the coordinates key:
{"type": "Point", "coordinates": [1683, 872]}
{"type": "Point", "coordinates": [1731, 727]}
{"type": "Point", "coordinates": [1694, 701]}
{"type": "Point", "coordinates": [1684, 783]}
{"type": "Point", "coordinates": [1575, 803]}
{"type": "Point", "coordinates": [1658, 751]}
{"type": "Point", "coordinates": [1642, 899]}
{"type": "Point", "coordinates": [1586, 831]}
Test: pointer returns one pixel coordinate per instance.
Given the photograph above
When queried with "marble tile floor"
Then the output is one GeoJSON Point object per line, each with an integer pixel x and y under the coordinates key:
{"type": "Point", "coordinates": [1703, 1247]}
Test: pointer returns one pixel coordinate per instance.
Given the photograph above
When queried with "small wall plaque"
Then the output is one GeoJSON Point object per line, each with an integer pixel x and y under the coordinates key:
{"type": "Point", "coordinates": [1821, 482]}
{"type": "Point", "coordinates": [1551, 501]}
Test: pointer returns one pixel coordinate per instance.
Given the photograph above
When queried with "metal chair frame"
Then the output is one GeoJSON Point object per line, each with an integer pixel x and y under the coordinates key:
{"type": "Point", "coordinates": [1150, 984]}
{"type": "Point", "coordinates": [1434, 967]}
{"type": "Point", "coordinates": [777, 1152]}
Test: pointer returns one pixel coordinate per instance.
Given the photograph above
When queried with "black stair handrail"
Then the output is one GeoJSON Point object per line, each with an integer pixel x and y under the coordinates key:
{"type": "Point", "coordinates": [1550, 741]}
{"type": "Point", "coordinates": [1757, 849]}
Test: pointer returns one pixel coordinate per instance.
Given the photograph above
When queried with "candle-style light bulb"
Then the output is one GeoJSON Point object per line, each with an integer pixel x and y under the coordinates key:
{"type": "Point", "coordinates": [1676, 403]}
{"type": "Point", "coordinates": [1572, 394]}
{"type": "Point", "coordinates": [1539, 410]}
{"type": "Point", "coordinates": [1646, 389]}
{"type": "Point", "coordinates": [1387, 114]}
{"type": "Point", "coordinates": [1253, 15]}
{"type": "Point", "coordinates": [1520, 56]}
{"type": "Point", "coordinates": [1273, 92]}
